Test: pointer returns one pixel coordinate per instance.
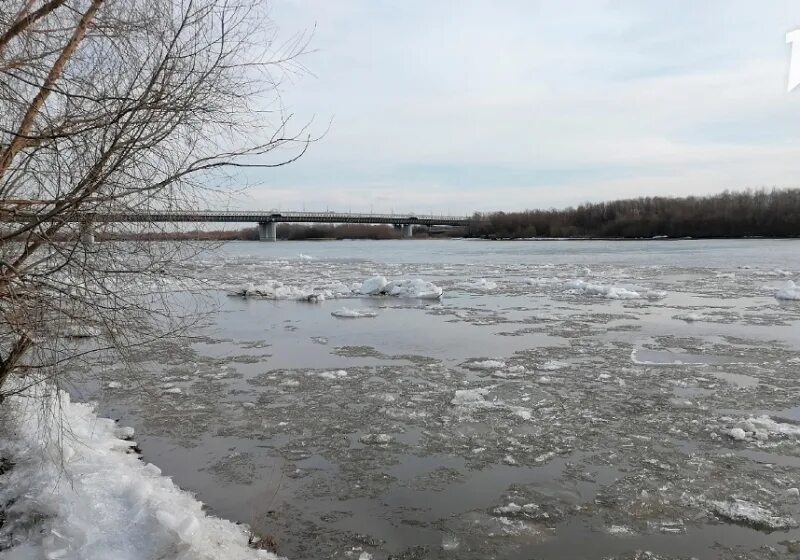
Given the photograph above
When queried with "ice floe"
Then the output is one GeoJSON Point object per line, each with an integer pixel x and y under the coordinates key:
{"type": "Point", "coordinates": [485, 364]}
{"type": "Point", "coordinates": [516, 509]}
{"type": "Point", "coordinates": [413, 288]}
{"type": "Point", "coordinates": [273, 289]}
{"type": "Point", "coordinates": [481, 284]}
{"type": "Point", "coordinates": [347, 313]}
{"type": "Point", "coordinates": [553, 365]}
{"type": "Point", "coordinates": [762, 428]}
{"type": "Point", "coordinates": [750, 514]}
{"type": "Point", "coordinates": [689, 317]}
{"type": "Point", "coordinates": [471, 398]}
{"type": "Point", "coordinates": [376, 439]}
{"type": "Point", "coordinates": [88, 496]}
{"type": "Point", "coordinates": [338, 374]}
{"type": "Point", "coordinates": [790, 291]}
{"type": "Point", "coordinates": [611, 291]}
{"type": "Point", "coordinates": [372, 286]}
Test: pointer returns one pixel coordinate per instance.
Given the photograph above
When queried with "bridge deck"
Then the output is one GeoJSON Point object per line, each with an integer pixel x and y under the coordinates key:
{"type": "Point", "coordinates": [257, 217]}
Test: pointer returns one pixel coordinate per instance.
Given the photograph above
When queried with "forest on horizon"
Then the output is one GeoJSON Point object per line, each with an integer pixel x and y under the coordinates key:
{"type": "Point", "coordinates": [749, 213]}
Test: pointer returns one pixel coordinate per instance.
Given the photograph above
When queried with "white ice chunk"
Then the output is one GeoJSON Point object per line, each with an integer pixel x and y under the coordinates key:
{"type": "Point", "coordinates": [347, 313]}
{"type": "Point", "coordinates": [413, 288]}
{"type": "Point", "coordinates": [748, 513]}
{"type": "Point", "coordinates": [470, 397]}
{"type": "Point", "coordinates": [790, 291]}
{"type": "Point", "coordinates": [486, 364]}
{"type": "Point", "coordinates": [376, 439]}
{"type": "Point", "coordinates": [763, 427]}
{"type": "Point", "coordinates": [689, 317]}
{"type": "Point", "coordinates": [338, 374]}
{"type": "Point", "coordinates": [738, 434]}
{"type": "Point", "coordinates": [273, 289]}
{"type": "Point", "coordinates": [553, 365]}
{"type": "Point", "coordinates": [611, 291]}
{"type": "Point", "coordinates": [481, 284]}
{"type": "Point", "coordinates": [372, 286]}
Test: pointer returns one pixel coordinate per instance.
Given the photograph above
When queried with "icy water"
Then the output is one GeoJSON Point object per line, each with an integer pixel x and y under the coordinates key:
{"type": "Point", "coordinates": [561, 400]}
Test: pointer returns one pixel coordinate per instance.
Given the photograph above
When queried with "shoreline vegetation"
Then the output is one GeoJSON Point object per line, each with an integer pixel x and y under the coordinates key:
{"type": "Point", "coordinates": [758, 214]}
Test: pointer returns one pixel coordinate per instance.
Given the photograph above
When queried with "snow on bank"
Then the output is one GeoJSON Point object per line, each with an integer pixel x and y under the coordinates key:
{"type": "Point", "coordinates": [87, 497]}
{"type": "Point", "coordinates": [414, 288]}
{"type": "Point", "coordinates": [790, 291]}
{"type": "Point", "coordinates": [611, 291]}
{"type": "Point", "coordinates": [347, 313]}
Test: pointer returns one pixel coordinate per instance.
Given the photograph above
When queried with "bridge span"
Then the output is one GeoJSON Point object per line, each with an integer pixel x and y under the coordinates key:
{"type": "Point", "coordinates": [267, 220]}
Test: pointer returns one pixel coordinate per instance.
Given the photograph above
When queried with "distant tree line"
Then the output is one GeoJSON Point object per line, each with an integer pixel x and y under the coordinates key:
{"type": "Point", "coordinates": [764, 213]}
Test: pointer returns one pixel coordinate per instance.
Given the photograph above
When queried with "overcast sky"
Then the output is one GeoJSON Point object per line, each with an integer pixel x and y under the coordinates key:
{"type": "Point", "coordinates": [456, 106]}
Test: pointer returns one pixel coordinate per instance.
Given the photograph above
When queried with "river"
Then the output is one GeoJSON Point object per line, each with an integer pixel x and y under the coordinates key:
{"type": "Point", "coordinates": [563, 399]}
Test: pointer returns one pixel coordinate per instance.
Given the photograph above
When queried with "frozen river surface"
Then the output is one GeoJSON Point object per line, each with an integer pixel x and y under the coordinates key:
{"type": "Point", "coordinates": [561, 400]}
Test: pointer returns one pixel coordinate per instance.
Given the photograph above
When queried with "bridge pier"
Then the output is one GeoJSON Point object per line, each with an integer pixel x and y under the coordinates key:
{"type": "Point", "coordinates": [408, 231]}
{"type": "Point", "coordinates": [86, 234]}
{"type": "Point", "coordinates": [267, 231]}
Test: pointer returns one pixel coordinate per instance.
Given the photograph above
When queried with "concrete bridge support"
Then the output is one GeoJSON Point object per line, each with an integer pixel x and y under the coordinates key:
{"type": "Point", "coordinates": [267, 231]}
{"type": "Point", "coordinates": [87, 233]}
{"type": "Point", "coordinates": [408, 231]}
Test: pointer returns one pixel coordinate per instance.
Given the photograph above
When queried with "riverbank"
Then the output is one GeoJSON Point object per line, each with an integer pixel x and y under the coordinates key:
{"type": "Point", "coordinates": [72, 487]}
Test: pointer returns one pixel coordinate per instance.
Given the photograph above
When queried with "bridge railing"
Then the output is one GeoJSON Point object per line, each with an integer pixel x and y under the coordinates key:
{"type": "Point", "coordinates": [243, 216]}
{"type": "Point", "coordinates": [288, 214]}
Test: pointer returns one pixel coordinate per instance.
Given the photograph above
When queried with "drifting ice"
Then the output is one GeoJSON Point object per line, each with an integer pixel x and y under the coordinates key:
{"type": "Point", "coordinates": [376, 286]}
{"type": "Point", "coordinates": [762, 428]}
{"type": "Point", "coordinates": [611, 292]}
{"type": "Point", "coordinates": [753, 515]}
{"type": "Point", "coordinates": [415, 288]}
{"type": "Point", "coordinates": [347, 313]}
{"type": "Point", "coordinates": [790, 291]}
{"type": "Point", "coordinates": [481, 284]}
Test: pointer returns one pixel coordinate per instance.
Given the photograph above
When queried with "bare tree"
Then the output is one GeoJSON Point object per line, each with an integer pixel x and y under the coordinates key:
{"type": "Point", "coordinates": [119, 106]}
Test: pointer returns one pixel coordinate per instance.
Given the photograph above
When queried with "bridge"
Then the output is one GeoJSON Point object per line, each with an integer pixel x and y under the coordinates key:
{"type": "Point", "coordinates": [267, 220]}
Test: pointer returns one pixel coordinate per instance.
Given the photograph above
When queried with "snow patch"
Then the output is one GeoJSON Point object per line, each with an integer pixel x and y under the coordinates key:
{"type": "Point", "coordinates": [90, 497]}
